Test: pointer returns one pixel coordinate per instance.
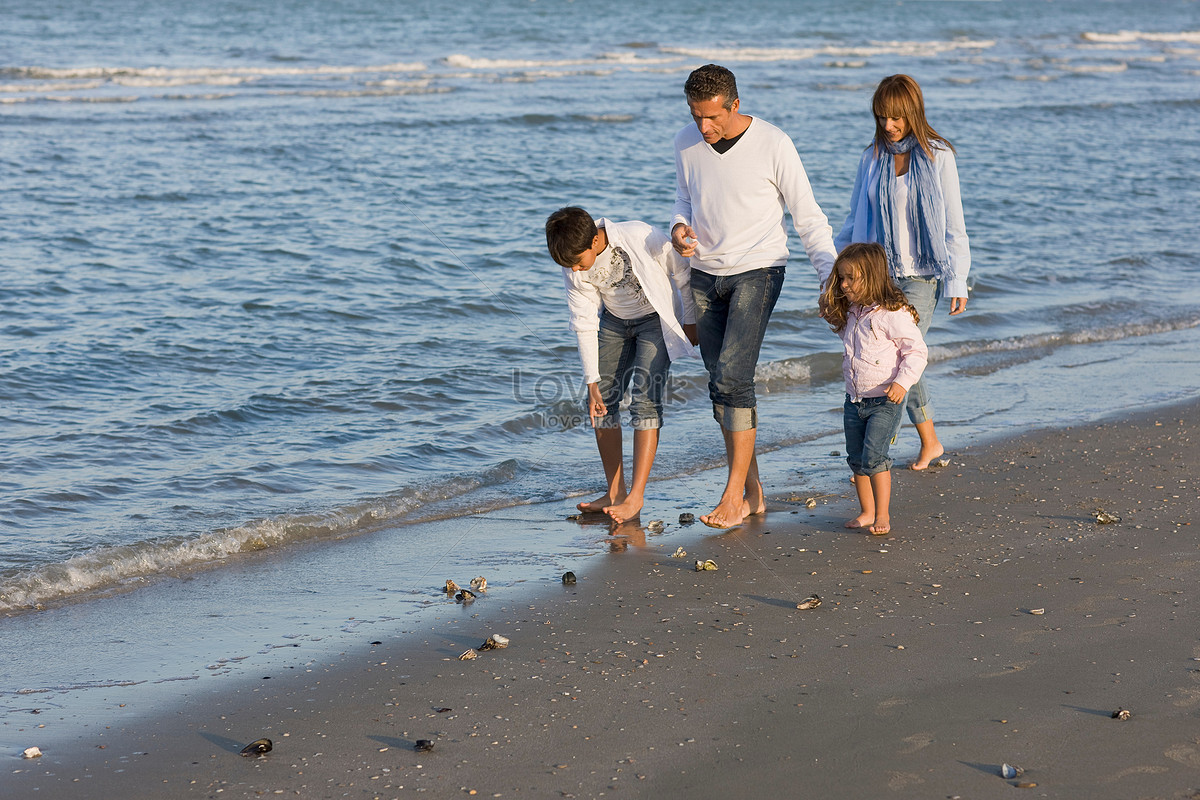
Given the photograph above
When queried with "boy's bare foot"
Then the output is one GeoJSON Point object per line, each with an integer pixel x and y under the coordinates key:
{"type": "Point", "coordinates": [724, 517]}
{"type": "Point", "coordinates": [598, 505]}
{"type": "Point", "coordinates": [861, 521]}
{"type": "Point", "coordinates": [623, 512]}
{"type": "Point", "coordinates": [927, 456]}
{"type": "Point", "coordinates": [881, 527]}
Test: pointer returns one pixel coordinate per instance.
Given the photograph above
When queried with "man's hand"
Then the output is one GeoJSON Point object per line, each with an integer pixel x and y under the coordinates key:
{"type": "Point", "coordinates": [957, 305]}
{"type": "Point", "coordinates": [683, 239]}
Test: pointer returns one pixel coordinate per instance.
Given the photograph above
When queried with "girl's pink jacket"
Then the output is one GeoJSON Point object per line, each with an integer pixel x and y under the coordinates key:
{"type": "Point", "coordinates": [880, 348]}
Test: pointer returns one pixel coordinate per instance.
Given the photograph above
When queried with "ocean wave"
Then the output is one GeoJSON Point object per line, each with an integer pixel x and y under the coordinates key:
{"type": "Point", "coordinates": [902, 48]}
{"type": "Point", "coordinates": [1041, 341]}
{"type": "Point", "coordinates": [203, 74]}
{"type": "Point", "coordinates": [115, 569]}
{"type": "Point", "coordinates": [1127, 37]}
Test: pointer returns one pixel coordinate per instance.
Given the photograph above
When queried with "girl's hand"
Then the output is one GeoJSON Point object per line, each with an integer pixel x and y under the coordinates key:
{"type": "Point", "coordinates": [957, 305]}
{"type": "Point", "coordinates": [896, 393]}
{"type": "Point", "coordinates": [596, 407]}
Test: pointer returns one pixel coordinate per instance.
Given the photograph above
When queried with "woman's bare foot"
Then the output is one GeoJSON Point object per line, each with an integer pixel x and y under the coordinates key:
{"type": "Point", "coordinates": [623, 512]}
{"type": "Point", "coordinates": [861, 521]}
{"type": "Point", "coordinates": [927, 455]}
{"type": "Point", "coordinates": [598, 505]}
{"type": "Point", "coordinates": [881, 527]}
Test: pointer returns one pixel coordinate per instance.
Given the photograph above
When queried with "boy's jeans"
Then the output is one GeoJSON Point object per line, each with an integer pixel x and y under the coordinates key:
{"type": "Point", "coordinates": [632, 350]}
{"type": "Point", "coordinates": [871, 426]}
{"type": "Point", "coordinates": [731, 318]}
{"type": "Point", "coordinates": [924, 294]}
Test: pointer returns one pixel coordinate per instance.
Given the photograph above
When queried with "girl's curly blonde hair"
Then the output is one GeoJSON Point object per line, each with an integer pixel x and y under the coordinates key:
{"type": "Point", "coordinates": [868, 261]}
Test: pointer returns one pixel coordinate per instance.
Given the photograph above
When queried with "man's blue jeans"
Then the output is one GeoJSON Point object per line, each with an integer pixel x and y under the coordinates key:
{"type": "Point", "coordinates": [731, 319]}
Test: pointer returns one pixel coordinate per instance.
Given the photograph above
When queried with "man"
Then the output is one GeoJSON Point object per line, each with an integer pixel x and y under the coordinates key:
{"type": "Point", "coordinates": [735, 174]}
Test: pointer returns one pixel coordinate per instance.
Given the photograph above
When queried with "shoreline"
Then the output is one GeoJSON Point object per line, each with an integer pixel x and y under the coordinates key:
{"type": "Point", "coordinates": [920, 674]}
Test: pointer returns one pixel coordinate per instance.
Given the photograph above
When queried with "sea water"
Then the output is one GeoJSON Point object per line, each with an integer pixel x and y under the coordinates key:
{"type": "Point", "coordinates": [275, 277]}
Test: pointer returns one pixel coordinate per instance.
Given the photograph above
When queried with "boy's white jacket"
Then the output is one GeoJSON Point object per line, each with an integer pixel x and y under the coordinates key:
{"type": "Point", "coordinates": [665, 277]}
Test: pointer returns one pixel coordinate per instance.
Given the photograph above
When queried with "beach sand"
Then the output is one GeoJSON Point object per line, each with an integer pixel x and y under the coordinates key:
{"type": "Point", "coordinates": [928, 665]}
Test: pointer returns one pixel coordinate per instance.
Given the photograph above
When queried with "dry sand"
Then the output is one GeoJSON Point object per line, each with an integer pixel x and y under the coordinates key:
{"type": "Point", "coordinates": [922, 672]}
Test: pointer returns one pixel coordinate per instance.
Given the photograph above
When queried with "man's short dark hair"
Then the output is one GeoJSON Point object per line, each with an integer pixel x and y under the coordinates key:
{"type": "Point", "coordinates": [711, 81]}
{"type": "Point", "coordinates": [569, 231]}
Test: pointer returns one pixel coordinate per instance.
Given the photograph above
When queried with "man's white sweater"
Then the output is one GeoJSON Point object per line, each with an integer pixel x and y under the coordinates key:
{"type": "Point", "coordinates": [735, 201]}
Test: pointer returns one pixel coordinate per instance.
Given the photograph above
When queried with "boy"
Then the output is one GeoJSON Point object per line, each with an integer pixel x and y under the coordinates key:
{"type": "Point", "coordinates": [630, 301]}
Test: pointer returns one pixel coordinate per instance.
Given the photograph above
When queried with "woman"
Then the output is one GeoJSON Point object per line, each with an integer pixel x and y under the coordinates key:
{"type": "Point", "coordinates": [906, 198]}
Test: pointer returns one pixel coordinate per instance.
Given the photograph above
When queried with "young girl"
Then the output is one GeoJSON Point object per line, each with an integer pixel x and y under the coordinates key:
{"type": "Point", "coordinates": [884, 355]}
{"type": "Point", "coordinates": [906, 197]}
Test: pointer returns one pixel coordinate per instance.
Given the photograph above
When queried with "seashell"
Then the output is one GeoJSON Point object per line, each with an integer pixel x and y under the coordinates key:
{"type": "Point", "coordinates": [479, 584]}
{"type": "Point", "coordinates": [810, 502]}
{"type": "Point", "coordinates": [257, 748]}
{"type": "Point", "coordinates": [1008, 771]}
{"type": "Point", "coordinates": [1121, 713]}
{"type": "Point", "coordinates": [495, 642]}
{"type": "Point", "coordinates": [679, 553]}
{"type": "Point", "coordinates": [1105, 518]}
{"type": "Point", "coordinates": [451, 587]}
{"type": "Point", "coordinates": [465, 596]}
{"type": "Point", "coordinates": [568, 579]}
{"type": "Point", "coordinates": [1026, 785]}
{"type": "Point", "coordinates": [468, 655]}
{"type": "Point", "coordinates": [686, 519]}
{"type": "Point", "coordinates": [708, 564]}
{"type": "Point", "coordinates": [835, 453]}
{"type": "Point", "coordinates": [812, 602]}
{"type": "Point", "coordinates": [655, 526]}
{"type": "Point", "coordinates": [32, 752]}
{"type": "Point", "coordinates": [574, 517]}
{"type": "Point", "coordinates": [1037, 612]}
{"type": "Point", "coordinates": [423, 745]}
{"type": "Point", "coordinates": [942, 462]}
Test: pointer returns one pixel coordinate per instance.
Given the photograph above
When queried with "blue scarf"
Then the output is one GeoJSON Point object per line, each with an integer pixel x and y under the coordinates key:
{"type": "Point", "coordinates": [926, 216]}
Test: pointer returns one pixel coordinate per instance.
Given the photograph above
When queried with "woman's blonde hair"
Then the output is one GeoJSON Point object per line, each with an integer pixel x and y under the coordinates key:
{"type": "Point", "coordinates": [869, 262]}
{"type": "Point", "coordinates": [900, 96]}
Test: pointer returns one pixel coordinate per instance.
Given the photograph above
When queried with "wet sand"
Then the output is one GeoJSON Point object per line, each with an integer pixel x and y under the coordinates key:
{"type": "Point", "coordinates": [924, 669]}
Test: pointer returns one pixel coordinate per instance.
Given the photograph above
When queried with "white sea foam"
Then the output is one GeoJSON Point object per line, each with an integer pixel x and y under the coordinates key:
{"type": "Point", "coordinates": [1123, 37]}
{"type": "Point", "coordinates": [207, 74]}
{"type": "Point", "coordinates": [1095, 68]}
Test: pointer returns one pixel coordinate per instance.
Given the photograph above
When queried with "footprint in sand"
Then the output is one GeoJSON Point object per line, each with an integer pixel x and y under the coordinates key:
{"type": "Point", "coordinates": [885, 707]}
{"type": "Point", "coordinates": [1185, 754]}
{"type": "Point", "coordinates": [917, 741]}
{"type": "Point", "coordinates": [902, 780]}
{"type": "Point", "coordinates": [1125, 773]}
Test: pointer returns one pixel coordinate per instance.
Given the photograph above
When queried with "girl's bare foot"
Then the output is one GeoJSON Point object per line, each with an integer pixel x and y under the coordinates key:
{"type": "Point", "coordinates": [927, 455]}
{"type": "Point", "coordinates": [881, 527]}
{"type": "Point", "coordinates": [623, 512]}
{"type": "Point", "coordinates": [598, 505]}
{"type": "Point", "coordinates": [861, 521]}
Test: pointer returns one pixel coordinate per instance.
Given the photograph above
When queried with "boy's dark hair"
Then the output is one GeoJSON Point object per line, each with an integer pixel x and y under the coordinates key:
{"type": "Point", "coordinates": [569, 231]}
{"type": "Point", "coordinates": [711, 81]}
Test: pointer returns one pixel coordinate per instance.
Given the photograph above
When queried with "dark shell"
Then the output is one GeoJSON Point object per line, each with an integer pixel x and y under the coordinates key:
{"type": "Point", "coordinates": [423, 746]}
{"type": "Point", "coordinates": [812, 602]}
{"type": "Point", "coordinates": [687, 519]}
{"type": "Point", "coordinates": [568, 579]}
{"type": "Point", "coordinates": [257, 747]}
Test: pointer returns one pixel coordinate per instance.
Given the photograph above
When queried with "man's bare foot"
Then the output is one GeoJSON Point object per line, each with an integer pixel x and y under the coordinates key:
{"type": "Point", "coordinates": [598, 505]}
{"type": "Point", "coordinates": [881, 527]}
{"type": "Point", "coordinates": [623, 512]}
{"type": "Point", "coordinates": [861, 521]}
{"type": "Point", "coordinates": [724, 517]}
{"type": "Point", "coordinates": [927, 456]}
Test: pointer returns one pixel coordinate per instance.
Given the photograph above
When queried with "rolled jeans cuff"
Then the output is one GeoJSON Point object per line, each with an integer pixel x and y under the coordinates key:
{"type": "Point", "coordinates": [735, 419]}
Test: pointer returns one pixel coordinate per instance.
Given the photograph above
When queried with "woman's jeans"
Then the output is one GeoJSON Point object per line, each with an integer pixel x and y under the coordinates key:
{"type": "Point", "coordinates": [731, 319]}
{"type": "Point", "coordinates": [924, 294]}
{"type": "Point", "coordinates": [632, 351]}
